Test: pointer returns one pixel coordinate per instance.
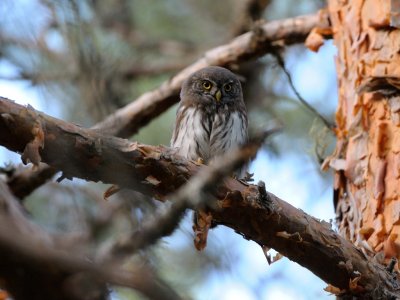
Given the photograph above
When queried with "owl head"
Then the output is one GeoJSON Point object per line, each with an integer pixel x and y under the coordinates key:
{"type": "Point", "coordinates": [212, 86]}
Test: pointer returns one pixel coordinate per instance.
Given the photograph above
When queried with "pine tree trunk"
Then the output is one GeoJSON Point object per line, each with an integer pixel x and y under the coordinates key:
{"type": "Point", "coordinates": [367, 156]}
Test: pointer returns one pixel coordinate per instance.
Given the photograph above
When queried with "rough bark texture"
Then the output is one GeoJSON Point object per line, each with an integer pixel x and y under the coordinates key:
{"type": "Point", "coordinates": [367, 155]}
{"type": "Point", "coordinates": [248, 209]}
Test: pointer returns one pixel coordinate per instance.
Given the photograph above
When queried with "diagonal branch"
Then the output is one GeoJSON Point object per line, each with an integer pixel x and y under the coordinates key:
{"type": "Point", "coordinates": [250, 45]}
{"type": "Point", "coordinates": [156, 171]}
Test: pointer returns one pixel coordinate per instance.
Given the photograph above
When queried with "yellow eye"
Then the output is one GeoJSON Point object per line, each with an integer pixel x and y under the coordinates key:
{"type": "Point", "coordinates": [206, 85]}
{"type": "Point", "coordinates": [227, 87]}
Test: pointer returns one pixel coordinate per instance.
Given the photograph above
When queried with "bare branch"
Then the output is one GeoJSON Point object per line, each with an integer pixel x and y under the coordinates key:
{"type": "Point", "coordinates": [154, 170]}
{"type": "Point", "coordinates": [127, 120]}
{"type": "Point", "coordinates": [303, 101]}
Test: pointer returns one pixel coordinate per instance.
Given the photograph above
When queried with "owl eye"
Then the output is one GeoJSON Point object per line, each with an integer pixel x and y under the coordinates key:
{"type": "Point", "coordinates": [228, 87]}
{"type": "Point", "coordinates": [206, 85]}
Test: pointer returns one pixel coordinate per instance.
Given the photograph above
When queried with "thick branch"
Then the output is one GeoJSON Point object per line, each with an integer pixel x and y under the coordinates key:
{"type": "Point", "coordinates": [154, 170]}
{"type": "Point", "coordinates": [131, 118]}
{"type": "Point", "coordinates": [194, 194]}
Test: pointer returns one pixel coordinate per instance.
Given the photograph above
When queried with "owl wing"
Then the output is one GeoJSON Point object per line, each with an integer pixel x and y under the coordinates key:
{"type": "Point", "coordinates": [229, 131]}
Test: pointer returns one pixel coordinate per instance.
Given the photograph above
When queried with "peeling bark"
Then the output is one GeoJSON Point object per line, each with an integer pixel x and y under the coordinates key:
{"type": "Point", "coordinates": [248, 209]}
{"type": "Point", "coordinates": [367, 117]}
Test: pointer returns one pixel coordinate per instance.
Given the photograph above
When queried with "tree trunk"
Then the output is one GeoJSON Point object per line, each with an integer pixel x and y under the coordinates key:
{"type": "Point", "coordinates": [367, 156]}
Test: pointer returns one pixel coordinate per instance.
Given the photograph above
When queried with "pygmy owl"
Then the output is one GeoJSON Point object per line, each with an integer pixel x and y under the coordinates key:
{"type": "Point", "coordinates": [211, 117]}
{"type": "Point", "coordinates": [211, 120]}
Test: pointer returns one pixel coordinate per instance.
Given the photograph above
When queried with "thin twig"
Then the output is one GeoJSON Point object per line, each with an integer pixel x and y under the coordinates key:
{"type": "Point", "coordinates": [281, 63]}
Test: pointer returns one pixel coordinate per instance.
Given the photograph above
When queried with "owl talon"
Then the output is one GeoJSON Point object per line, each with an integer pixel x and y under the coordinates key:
{"type": "Point", "coordinates": [248, 177]}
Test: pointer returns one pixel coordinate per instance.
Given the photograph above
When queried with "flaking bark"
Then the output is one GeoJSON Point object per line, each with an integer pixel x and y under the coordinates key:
{"type": "Point", "coordinates": [367, 155]}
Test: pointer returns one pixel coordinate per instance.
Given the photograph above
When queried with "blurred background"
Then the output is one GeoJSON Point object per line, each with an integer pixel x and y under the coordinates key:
{"type": "Point", "coordinates": [82, 60]}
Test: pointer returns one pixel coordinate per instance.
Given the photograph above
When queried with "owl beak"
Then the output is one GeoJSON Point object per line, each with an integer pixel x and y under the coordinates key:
{"type": "Point", "coordinates": [218, 95]}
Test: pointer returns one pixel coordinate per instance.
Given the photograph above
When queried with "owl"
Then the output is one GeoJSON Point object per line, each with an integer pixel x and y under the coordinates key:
{"type": "Point", "coordinates": [211, 118]}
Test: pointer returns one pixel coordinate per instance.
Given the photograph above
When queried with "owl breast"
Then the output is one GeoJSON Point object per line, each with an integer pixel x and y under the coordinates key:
{"type": "Point", "coordinates": [206, 135]}
{"type": "Point", "coordinates": [228, 132]}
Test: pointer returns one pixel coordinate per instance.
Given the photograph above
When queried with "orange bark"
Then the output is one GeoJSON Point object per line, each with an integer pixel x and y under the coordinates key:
{"type": "Point", "coordinates": [367, 155]}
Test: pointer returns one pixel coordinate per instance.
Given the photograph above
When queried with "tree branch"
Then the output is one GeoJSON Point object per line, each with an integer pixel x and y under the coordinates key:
{"type": "Point", "coordinates": [129, 119]}
{"type": "Point", "coordinates": [23, 180]}
{"type": "Point", "coordinates": [155, 170]}
{"type": "Point", "coordinates": [253, 44]}
{"type": "Point", "coordinates": [194, 194]}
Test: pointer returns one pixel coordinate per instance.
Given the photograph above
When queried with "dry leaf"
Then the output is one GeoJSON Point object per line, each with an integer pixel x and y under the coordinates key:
{"type": "Point", "coordinates": [111, 191]}
{"type": "Point", "coordinates": [31, 151]}
{"type": "Point", "coordinates": [333, 290]}
{"type": "Point", "coordinates": [201, 227]}
{"type": "Point", "coordinates": [314, 40]}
